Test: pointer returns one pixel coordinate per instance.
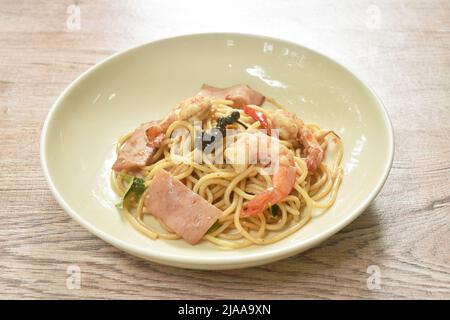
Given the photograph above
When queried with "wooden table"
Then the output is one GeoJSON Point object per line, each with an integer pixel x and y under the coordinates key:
{"type": "Point", "coordinates": [402, 49]}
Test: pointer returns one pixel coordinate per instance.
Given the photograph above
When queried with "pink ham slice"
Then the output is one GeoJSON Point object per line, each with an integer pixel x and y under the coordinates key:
{"type": "Point", "coordinates": [185, 212]}
{"type": "Point", "coordinates": [135, 153]}
{"type": "Point", "coordinates": [241, 94]}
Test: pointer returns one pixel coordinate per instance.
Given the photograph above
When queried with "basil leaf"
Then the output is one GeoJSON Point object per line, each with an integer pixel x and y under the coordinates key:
{"type": "Point", "coordinates": [135, 189]}
{"type": "Point", "coordinates": [214, 227]}
{"type": "Point", "coordinates": [274, 209]}
{"type": "Point", "coordinates": [119, 205]}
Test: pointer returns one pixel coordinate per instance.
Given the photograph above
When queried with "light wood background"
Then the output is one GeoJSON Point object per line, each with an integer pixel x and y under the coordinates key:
{"type": "Point", "coordinates": [401, 48]}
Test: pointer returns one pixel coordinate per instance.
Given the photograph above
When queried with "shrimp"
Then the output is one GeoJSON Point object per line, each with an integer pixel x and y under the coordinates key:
{"type": "Point", "coordinates": [195, 108]}
{"type": "Point", "coordinates": [139, 149]}
{"type": "Point", "coordinates": [283, 179]}
{"type": "Point", "coordinates": [292, 127]}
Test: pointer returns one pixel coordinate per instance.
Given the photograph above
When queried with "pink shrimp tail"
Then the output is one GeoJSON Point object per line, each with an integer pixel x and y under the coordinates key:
{"type": "Point", "coordinates": [258, 204]}
{"type": "Point", "coordinates": [314, 158]}
{"type": "Point", "coordinates": [284, 181]}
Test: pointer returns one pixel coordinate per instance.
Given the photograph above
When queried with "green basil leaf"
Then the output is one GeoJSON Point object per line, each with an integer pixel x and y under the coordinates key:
{"type": "Point", "coordinates": [274, 209]}
{"type": "Point", "coordinates": [214, 227]}
{"type": "Point", "coordinates": [135, 189]}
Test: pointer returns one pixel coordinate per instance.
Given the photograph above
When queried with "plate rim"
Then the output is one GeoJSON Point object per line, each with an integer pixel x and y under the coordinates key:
{"type": "Point", "coordinates": [204, 262]}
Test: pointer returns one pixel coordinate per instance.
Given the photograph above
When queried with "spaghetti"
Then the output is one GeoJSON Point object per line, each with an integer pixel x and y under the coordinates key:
{"type": "Point", "coordinates": [229, 189]}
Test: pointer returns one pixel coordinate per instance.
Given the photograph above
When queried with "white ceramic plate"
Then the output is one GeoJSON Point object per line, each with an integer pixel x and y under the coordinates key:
{"type": "Point", "coordinates": [143, 83]}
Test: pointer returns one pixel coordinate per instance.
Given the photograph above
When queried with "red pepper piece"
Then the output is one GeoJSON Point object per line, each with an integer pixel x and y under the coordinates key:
{"type": "Point", "coordinates": [258, 116]}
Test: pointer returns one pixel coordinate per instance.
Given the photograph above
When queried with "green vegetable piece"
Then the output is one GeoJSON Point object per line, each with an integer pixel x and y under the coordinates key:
{"type": "Point", "coordinates": [214, 227]}
{"type": "Point", "coordinates": [119, 205]}
{"type": "Point", "coordinates": [274, 209]}
{"type": "Point", "coordinates": [135, 189]}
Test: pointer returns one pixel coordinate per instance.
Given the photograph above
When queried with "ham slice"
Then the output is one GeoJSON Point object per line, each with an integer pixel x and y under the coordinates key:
{"type": "Point", "coordinates": [135, 153]}
{"type": "Point", "coordinates": [241, 94]}
{"type": "Point", "coordinates": [182, 210]}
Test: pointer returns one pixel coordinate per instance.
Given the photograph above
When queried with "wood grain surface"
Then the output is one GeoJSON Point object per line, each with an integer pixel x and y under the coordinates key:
{"type": "Point", "coordinates": [400, 48]}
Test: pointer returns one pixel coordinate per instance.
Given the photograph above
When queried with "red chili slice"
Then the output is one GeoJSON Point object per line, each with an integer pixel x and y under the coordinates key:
{"type": "Point", "coordinates": [258, 116]}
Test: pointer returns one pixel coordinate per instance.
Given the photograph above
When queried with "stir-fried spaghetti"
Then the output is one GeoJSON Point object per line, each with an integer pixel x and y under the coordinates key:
{"type": "Point", "coordinates": [230, 188]}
